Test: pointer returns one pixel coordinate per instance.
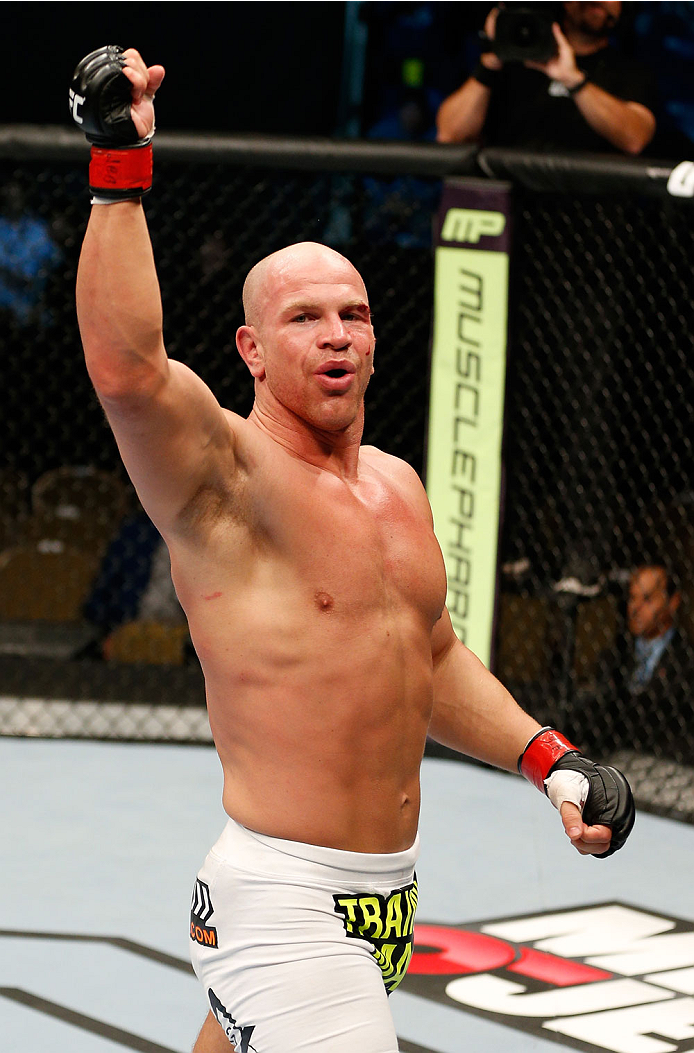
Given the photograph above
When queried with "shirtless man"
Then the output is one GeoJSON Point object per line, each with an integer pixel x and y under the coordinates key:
{"type": "Point", "coordinates": [314, 589]}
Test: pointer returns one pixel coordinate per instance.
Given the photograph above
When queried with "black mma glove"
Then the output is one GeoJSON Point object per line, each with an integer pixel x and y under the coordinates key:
{"type": "Point", "coordinates": [100, 101]}
{"type": "Point", "coordinates": [609, 802]}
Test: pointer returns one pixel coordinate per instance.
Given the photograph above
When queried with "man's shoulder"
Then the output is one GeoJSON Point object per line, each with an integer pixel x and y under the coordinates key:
{"type": "Point", "coordinates": [248, 436]}
{"type": "Point", "coordinates": [387, 462]}
{"type": "Point", "coordinates": [398, 472]}
{"type": "Point", "coordinates": [236, 422]}
{"type": "Point", "coordinates": [682, 648]}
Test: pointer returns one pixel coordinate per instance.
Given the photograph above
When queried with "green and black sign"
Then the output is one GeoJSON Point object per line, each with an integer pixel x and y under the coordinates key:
{"type": "Point", "coordinates": [466, 415]}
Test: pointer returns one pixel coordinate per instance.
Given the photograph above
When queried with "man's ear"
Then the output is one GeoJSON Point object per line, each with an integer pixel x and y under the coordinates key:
{"type": "Point", "coordinates": [250, 350]}
{"type": "Point", "coordinates": [674, 602]}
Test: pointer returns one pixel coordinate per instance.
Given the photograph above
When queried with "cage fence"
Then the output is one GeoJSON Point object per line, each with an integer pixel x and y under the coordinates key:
{"type": "Point", "coordinates": [599, 451]}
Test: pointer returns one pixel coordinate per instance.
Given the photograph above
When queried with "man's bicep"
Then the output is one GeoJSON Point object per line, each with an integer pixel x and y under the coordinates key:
{"type": "Point", "coordinates": [174, 441]}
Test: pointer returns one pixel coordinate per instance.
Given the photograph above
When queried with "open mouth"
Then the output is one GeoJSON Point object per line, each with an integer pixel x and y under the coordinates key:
{"type": "Point", "coordinates": [336, 378]}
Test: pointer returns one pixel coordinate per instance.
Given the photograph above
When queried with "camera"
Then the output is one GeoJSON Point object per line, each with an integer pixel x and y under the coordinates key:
{"type": "Point", "coordinates": [524, 33]}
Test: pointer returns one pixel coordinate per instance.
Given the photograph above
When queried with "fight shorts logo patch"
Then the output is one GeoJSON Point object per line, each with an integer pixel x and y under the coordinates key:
{"type": "Point", "coordinates": [387, 922]}
{"type": "Point", "coordinates": [201, 910]}
{"type": "Point", "coordinates": [240, 1036]}
{"type": "Point", "coordinates": [602, 977]}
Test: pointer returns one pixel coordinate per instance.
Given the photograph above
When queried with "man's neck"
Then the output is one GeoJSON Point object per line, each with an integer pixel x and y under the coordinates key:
{"type": "Point", "coordinates": [583, 43]}
{"type": "Point", "coordinates": [667, 631]}
{"type": "Point", "coordinates": [336, 452]}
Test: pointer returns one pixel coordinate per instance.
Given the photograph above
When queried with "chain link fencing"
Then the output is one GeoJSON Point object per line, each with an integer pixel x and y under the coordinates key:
{"type": "Point", "coordinates": [598, 455]}
{"type": "Point", "coordinates": [599, 468]}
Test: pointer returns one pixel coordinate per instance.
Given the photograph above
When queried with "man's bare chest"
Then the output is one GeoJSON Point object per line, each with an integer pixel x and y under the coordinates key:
{"type": "Point", "coordinates": [357, 547]}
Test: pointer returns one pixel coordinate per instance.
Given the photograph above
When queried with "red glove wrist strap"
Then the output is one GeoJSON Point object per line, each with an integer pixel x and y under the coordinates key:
{"type": "Point", "coordinates": [114, 170]}
{"type": "Point", "coordinates": [541, 753]}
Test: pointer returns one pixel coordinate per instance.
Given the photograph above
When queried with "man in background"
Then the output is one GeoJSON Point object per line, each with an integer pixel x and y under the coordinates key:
{"type": "Point", "coordinates": [587, 97]}
{"type": "Point", "coordinates": [652, 679]}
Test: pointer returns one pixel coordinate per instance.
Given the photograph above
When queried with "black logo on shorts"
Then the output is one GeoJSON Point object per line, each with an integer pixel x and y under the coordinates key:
{"type": "Point", "coordinates": [201, 910]}
{"type": "Point", "coordinates": [386, 922]}
{"type": "Point", "coordinates": [240, 1036]}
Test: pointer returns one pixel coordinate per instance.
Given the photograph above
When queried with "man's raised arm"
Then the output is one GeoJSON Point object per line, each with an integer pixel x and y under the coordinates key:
{"type": "Point", "coordinates": [171, 432]}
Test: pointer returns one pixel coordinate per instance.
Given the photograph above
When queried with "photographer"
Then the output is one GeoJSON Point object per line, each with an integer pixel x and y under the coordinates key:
{"type": "Point", "coordinates": [545, 87]}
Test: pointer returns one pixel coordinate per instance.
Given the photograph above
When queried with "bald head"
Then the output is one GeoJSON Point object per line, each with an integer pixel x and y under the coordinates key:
{"type": "Point", "coordinates": [307, 260]}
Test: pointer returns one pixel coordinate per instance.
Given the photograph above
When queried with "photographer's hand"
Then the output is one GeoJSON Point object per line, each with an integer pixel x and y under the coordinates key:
{"type": "Point", "coordinates": [562, 67]}
{"type": "Point", "coordinates": [629, 126]}
{"type": "Point", "coordinates": [488, 58]}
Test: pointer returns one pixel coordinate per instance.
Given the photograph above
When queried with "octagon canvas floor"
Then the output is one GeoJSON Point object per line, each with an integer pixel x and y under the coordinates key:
{"type": "Point", "coordinates": [535, 946]}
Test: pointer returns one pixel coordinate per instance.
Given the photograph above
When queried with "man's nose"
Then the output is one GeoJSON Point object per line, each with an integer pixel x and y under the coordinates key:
{"type": "Point", "coordinates": [335, 333]}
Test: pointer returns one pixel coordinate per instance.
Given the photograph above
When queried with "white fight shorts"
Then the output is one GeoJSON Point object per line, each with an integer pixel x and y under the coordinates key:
{"type": "Point", "coordinates": [298, 946]}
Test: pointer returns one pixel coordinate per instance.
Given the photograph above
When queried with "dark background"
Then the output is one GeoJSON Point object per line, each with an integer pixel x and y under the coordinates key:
{"type": "Point", "coordinates": [271, 67]}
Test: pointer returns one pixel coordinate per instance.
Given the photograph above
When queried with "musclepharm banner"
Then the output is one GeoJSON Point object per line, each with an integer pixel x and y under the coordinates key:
{"type": "Point", "coordinates": [466, 412]}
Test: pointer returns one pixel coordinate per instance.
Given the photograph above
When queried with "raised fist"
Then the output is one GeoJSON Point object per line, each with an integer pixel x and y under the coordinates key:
{"type": "Point", "coordinates": [111, 97]}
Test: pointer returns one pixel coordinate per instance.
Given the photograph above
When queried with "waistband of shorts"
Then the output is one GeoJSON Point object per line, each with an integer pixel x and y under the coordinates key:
{"type": "Point", "coordinates": [237, 844]}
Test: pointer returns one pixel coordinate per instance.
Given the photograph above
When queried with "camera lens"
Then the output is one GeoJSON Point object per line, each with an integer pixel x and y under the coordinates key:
{"type": "Point", "coordinates": [525, 32]}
